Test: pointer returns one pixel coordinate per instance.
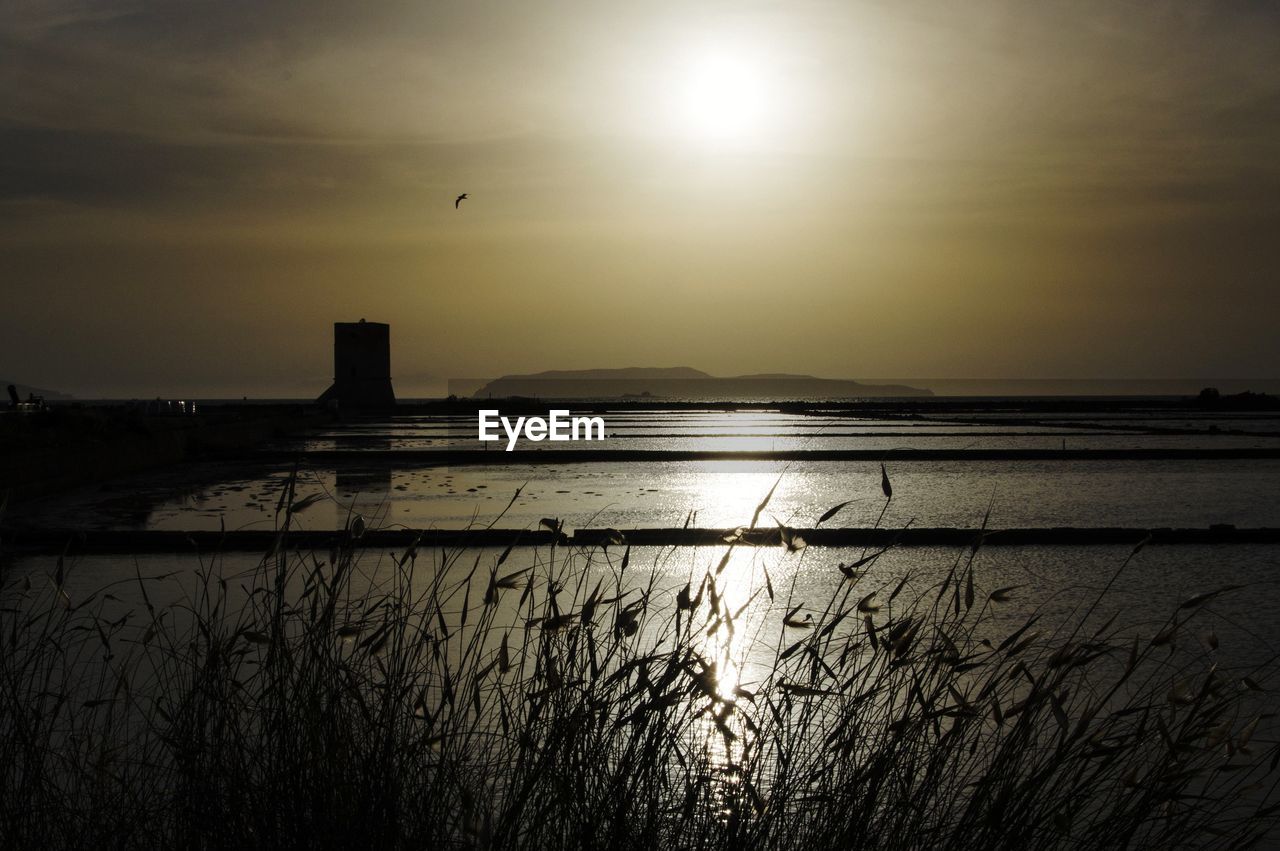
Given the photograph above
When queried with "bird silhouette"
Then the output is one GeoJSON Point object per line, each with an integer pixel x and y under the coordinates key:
{"type": "Point", "coordinates": [459, 200]}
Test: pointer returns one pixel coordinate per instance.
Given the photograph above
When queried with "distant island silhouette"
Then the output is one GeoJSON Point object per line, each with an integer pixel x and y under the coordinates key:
{"type": "Point", "coordinates": [25, 389]}
{"type": "Point", "coordinates": [682, 382]}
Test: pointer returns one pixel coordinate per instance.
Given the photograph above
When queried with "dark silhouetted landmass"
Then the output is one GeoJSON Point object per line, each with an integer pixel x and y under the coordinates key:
{"type": "Point", "coordinates": [1211, 397]}
{"type": "Point", "coordinates": [1078, 387]}
{"type": "Point", "coordinates": [683, 382]}
{"type": "Point", "coordinates": [69, 446]}
{"type": "Point", "coordinates": [25, 390]}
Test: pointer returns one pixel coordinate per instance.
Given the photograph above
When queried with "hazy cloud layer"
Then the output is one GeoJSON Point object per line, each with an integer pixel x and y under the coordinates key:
{"type": "Point", "coordinates": [980, 189]}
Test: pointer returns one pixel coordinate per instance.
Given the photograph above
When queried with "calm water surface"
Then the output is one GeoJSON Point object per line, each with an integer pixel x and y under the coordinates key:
{"type": "Point", "coordinates": [387, 491]}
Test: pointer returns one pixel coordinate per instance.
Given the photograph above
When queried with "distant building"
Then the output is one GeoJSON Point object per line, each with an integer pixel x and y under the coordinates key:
{"type": "Point", "coordinates": [361, 366]}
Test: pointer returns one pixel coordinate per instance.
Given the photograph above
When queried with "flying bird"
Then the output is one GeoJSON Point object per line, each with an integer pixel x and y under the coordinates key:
{"type": "Point", "coordinates": [459, 200]}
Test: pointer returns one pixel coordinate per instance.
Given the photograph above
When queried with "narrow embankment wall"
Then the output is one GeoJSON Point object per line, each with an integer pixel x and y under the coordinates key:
{"type": "Point", "coordinates": [266, 540]}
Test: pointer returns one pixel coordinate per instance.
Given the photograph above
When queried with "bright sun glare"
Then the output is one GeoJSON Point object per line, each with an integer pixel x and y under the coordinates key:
{"type": "Point", "coordinates": [725, 99]}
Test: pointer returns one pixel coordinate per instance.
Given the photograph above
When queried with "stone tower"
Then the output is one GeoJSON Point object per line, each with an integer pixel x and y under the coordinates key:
{"type": "Point", "coordinates": [361, 366]}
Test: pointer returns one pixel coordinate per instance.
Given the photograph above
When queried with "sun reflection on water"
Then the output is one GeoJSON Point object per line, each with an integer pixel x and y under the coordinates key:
{"type": "Point", "coordinates": [731, 636]}
{"type": "Point", "coordinates": [729, 494]}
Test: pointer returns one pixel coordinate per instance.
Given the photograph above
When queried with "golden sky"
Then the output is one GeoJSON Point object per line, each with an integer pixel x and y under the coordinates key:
{"type": "Point", "coordinates": [191, 192]}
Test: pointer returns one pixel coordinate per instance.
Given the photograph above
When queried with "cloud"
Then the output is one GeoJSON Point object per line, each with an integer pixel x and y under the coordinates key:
{"type": "Point", "coordinates": [1061, 165]}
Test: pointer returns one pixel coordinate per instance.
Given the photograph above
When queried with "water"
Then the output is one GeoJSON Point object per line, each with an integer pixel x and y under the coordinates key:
{"type": "Point", "coordinates": [1057, 583]}
{"type": "Point", "coordinates": [1021, 493]}
{"type": "Point", "coordinates": [388, 492]}
{"type": "Point", "coordinates": [720, 494]}
{"type": "Point", "coordinates": [765, 431]}
{"type": "Point", "coordinates": [1236, 631]}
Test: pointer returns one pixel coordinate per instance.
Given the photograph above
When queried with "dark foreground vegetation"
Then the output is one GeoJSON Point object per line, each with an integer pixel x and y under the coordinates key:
{"type": "Point", "coordinates": [452, 699]}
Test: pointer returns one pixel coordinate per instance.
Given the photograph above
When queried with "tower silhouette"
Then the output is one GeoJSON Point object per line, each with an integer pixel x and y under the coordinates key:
{"type": "Point", "coordinates": [361, 366]}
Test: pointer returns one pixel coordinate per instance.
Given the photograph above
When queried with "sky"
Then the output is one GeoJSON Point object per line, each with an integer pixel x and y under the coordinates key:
{"type": "Point", "coordinates": [191, 193]}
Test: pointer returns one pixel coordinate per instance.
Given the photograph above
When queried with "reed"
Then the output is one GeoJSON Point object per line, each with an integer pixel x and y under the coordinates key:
{"type": "Point", "coordinates": [580, 699]}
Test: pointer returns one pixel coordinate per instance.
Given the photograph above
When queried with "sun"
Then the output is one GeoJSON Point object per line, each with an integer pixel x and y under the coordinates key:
{"type": "Point", "coordinates": [724, 98]}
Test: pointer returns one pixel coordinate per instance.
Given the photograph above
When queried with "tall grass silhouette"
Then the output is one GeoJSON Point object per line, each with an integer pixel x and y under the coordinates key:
{"type": "Point", "coordinates": [577, 698]}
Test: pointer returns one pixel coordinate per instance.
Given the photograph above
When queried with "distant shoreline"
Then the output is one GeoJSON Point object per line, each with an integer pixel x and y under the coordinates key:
{"type": "Point", "coordinates": [1031, 401]}
{"type": "Point", "coordinates": [941, 388]}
